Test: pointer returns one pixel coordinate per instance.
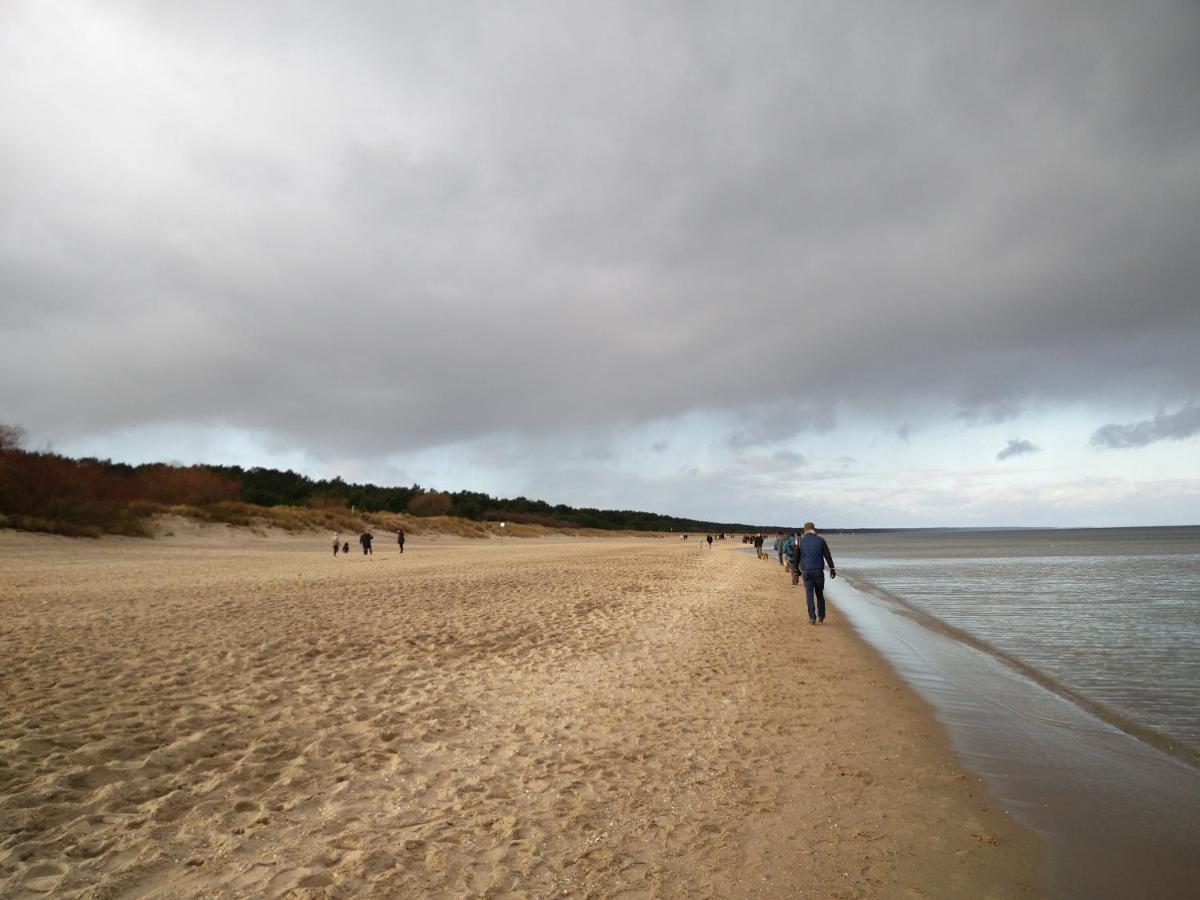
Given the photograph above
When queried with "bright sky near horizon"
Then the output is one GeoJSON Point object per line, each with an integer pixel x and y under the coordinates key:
{"type": "Point", "coordinates": [871, 264]}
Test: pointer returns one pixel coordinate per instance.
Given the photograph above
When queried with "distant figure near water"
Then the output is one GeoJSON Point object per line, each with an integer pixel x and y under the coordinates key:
{"type": "Point", "coordinates": [337, 543]}
{"type": "Point", "coordinates": [709, 539]}
{"type": "Point", "coordinates": [365, 539]}
{"type": "Point", "coordinates": [789, 544]}
{"type": "Point", "coordinates": [400, 539]}
{"type": "Point", "coordinates": [810, 555]}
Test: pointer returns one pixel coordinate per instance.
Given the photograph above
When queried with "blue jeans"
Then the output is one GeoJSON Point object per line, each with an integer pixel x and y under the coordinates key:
{"type": "Point", "coordinates": [814, 582]}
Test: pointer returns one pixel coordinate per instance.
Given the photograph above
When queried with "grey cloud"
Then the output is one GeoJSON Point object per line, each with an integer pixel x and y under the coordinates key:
{"type": "Point", "coordinates": [394, 227]}
{"type": "Point", "coordinates": [1176, 426]}
{"type": "Point", "coordinates": [660, 446]}
{"type": "Point", "coordinates": [904, 432]}
{"type": "Point", "coordinates": [771, 423]}
{"type": "Point", "coordinates": [1017, 447]}
{"type": "Point", "coordinates": [789, 458]}
{"type": "Point", "coordinates": [988, 412]}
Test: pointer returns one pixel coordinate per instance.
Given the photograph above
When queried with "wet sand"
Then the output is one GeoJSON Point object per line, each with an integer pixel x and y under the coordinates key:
{"type": "Point", "coordinates": [222, 714]}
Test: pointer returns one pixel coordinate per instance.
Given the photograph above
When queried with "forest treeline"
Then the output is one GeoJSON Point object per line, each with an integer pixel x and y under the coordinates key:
{"type": "Point", "coordinates": [45, 491]}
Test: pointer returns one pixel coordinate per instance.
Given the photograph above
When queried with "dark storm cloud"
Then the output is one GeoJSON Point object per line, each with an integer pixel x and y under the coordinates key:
{"type": "Point", "coordinates": [1176, 426]}
{"type": "Point", "coordinates": [1017, 447]}
{"type": "Point", "coordinates": [389, 226]}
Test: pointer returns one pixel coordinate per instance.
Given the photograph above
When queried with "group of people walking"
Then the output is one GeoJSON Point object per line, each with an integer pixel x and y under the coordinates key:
{"type": "Point", "coordinates": [805, 556]}
{"type": "Point", "coordinates": [365, 540]}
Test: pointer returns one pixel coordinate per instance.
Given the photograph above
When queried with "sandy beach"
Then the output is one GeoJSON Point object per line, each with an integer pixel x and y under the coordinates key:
{"type": "Point", "coordinates": [218, 713]}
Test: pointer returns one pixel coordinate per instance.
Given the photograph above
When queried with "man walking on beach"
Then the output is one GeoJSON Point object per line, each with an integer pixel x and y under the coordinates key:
{"type": "Point", "coordinates": [400, 539]}
{"type": "Point", "coordinates": [365, 539]}
{"type": "Point", "coordinates": [811, 554]}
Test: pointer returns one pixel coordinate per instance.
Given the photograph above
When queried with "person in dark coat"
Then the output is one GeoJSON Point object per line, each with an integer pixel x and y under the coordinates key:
{"type": "Point", "coordinates": [365, 539]}
{"type": "Point", "coordinates": [811, 553]}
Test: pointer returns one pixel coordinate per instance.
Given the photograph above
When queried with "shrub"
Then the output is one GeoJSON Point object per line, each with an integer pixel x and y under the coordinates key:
{"type": "Point", "coordinates": [327, 501]}
{"type": "Point", "coordinates": [431, 504]}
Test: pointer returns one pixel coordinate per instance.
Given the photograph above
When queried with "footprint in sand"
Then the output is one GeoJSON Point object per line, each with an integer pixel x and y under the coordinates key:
{"type": "Point", "coordinates": [246, 813]}
{"type": "Point", "coordinates": [43, 877]}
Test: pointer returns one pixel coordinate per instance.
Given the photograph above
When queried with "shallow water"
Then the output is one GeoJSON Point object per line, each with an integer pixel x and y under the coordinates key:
{"type": "Point", "coordinates": [1052, 657]}
{"type": "Point", "coordinates": [1111, 616]}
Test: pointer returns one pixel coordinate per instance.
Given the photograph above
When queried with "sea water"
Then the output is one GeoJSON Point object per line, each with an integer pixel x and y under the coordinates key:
{"type": "Point", "coordinates": [1066, 666]}
{"type": "Point", "coordinates": [1108, 615]}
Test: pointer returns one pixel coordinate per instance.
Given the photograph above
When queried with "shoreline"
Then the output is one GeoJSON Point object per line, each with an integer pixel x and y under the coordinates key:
{"type": "Point", "coordinates": [1160, 741]}
{"type": "Point", "coordinates": [1120, 816]}
{"type": "Point", "coordinates": [609, 717]}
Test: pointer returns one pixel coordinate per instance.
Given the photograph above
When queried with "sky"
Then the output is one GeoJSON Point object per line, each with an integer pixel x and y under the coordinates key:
{"type": "Point", "coordinates": [874, 264]}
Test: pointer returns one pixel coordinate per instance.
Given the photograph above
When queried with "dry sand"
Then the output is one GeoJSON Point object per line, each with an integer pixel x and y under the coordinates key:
{"type": "Point", "coordinates": [220, 714]}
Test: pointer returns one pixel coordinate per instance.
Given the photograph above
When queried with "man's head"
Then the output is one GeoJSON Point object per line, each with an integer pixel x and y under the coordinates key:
{"type": "Point", "coordinates": [809, 527]}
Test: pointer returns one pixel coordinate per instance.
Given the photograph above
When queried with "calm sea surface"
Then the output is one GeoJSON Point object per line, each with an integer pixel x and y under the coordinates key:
{"type": "Point", "coordinates": [1108, 615]}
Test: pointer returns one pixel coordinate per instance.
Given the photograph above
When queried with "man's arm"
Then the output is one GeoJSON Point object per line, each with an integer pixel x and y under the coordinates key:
{"type": "Point", "coordinates": [828, 556]}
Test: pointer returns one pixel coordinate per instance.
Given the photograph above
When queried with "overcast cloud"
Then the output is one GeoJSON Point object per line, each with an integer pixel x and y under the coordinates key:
{"type": "Point", "coordinates": [1176, 426]}
{"type": "Point", "coordinates": [1017, 447]}
{"type": "Point", "coordinates": [385, 236]}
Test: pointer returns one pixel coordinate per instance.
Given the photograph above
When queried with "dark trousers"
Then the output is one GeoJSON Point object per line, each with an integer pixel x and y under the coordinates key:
{"type": "Point", "coordinates": [814, 582]}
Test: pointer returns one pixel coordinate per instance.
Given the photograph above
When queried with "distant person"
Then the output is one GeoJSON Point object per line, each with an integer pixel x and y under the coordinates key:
{"type": "Point", "coordinates": [337, 543]}
{"type": "Point", "coordinates": [758, 542]}
{"type": "Point", "coordinates": [709, 539]}
{"type": "Point", "coordinates": [780, 540]}
{"type": "Point", "coordinates": [400, 539]}
{"type": "Point", "coordinates": [365, 539]}
{"type": "Point", "coordinates": [789, 544]}
{"type": "Point", "coordinates": [811, 555]}
{"type": "Point", "coordinates": [346, 549]}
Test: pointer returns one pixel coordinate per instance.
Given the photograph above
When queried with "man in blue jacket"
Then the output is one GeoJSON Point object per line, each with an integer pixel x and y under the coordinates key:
{"type": "Point", "coordinates": [810, 555]}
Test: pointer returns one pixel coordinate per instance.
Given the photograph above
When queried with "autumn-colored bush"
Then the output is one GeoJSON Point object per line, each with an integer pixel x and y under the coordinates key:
{"type": "Point", "coordinates": [327, 501]}
{"type": "Point", "coordinates": [431, 504]}
{"type": "Point", "coordinates": [47, 492]}
{"type": "Point", "coordinates": [191, 486]}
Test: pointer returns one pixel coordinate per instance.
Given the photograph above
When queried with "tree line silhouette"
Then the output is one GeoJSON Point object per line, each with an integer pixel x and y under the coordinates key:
{"type": "Point", "coordinates": [45, 491]}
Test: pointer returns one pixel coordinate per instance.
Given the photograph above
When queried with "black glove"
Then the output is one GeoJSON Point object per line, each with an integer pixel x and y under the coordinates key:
{"type": "Point", "coordinates": [832, 572]}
